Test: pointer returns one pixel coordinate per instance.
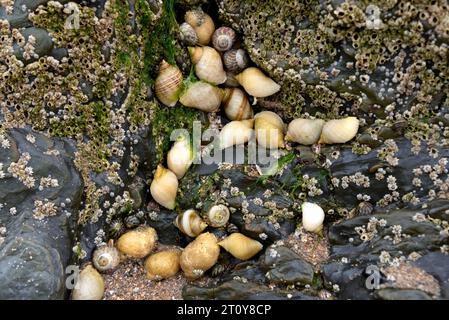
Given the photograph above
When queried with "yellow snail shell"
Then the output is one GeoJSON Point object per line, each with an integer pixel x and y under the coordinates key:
{"type": "Point", "coordinates": [164, 187]}
{"type": "Point", "coordinates": [168, 84]}
{"type": "Point", "coordinates": [190, 223]}
{"type": "Point", "coordinates": [339, 130]}
{"type": "Point", "coordinates": [208, 64]}
{"type": "Point", "coordinates": [235, 133]}
{"type": "Point", "coordinates": [137, 243]}
{"type": "Point", "coordinates": [223, 38]}
{"type": "Point", "coordinates": [203, 96]}
{"type": "Point", "coordinates": [236, 104]}
{"type": "Point", "coordinates": [256, 83]}
{"type": "Point", "coordinates": [89, 286]}
{"type": "Point", "coordinates": [312, 217]}
{"type": "Point", "coordinates": [106, 257]}
{"type": "Point", "coordinates": [240, 246]}
{"type": "Point", "coordinates": [235, 60]}
{"type": "Point", "coordinates": [218, 216]}
{"type": "Point", "coordinates": [180, 157]}
{"type": "Point", "coordinates": [304, 131]}
{"type": "Point", "coordinates": [202, 23]}
{"type": "Point", "coordinates": [163, 264]}
{"type": "Point", "coordinates": [269, 129]}
{"type": "Point", "coordinates": [187, 34]}
{"type": "Point", "coordinates": [200, 255]}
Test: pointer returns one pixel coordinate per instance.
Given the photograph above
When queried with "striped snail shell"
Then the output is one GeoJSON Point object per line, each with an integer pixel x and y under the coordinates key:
{"type": "Point", "coordinates": [235, 60]}
{"type": "Point", "coordinates": [190, 223]}
{"type": "Point", "coordinates": [187, 34]}
{"type": "Point", "coordinates": [168, 84]}
{"type": "Point", "coordinates": [232, 228]}
{"type": "Point", "coordinates": [223, 38]}
{"type": "Point", "coordinates": [236, 104]}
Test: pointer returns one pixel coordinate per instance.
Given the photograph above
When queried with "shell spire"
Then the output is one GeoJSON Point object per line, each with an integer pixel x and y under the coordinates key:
{"type": "Point", "coordinates": [168, 84]}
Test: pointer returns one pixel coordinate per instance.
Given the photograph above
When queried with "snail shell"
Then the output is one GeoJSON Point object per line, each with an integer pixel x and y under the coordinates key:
{"type": "Point", "coordinates": [180, 156]}
{"type": "Point", "coordinates": [202, 23]}
{"type": "Point", "coordinates": [269, 129]}
{"type": "Point", "coordinates": [106, 257]}
{"type": "Point", "coordinates": [168, 84]}
{"type": "Point", "coordinates": [164, 187]}
{"type": "Point", "coordinates": [190, 223]}
{"type": "Point", "coordinates": [232, 228]}
{"type": "Point", "coordinates": [304, 131]}
{"type": "Point", "coordinates": [208, 64]}
{"type": "Point", "coordinates": [218, 216]}
{"type": "Point", "coordinates": [200, 255]}
{"type": "Point", "coordinates": [236, 104]}
{"type": "Point", "coordinates": [312, 217]}
{"type": "Point", "coordinates": [89, 286]}
{"type": "Point", "coordinates": [203, 96]}
{"type": "Point", "coordinates": [223, 38]}
{"type": "Point", "coordinates": [163, 265]}
{"type": "Point", "coordinates": [339, 130]}
{"type": "Point", "coordinates": [132, 221]}
{"type": "Point", "coordinates": [187, 34]}
{"type": "Point", "coordinates": [235, 133]}
{"type": "Point", "coordinates": [256, 83]}
{"type": "Point", "coordinates": [240, 246]}
{"type": "Point", "coordinates": [365, 208]}
{"type": "Point", "coordinates": [235, 60]}
{"type": "Point", "coordinates": [137, 243]}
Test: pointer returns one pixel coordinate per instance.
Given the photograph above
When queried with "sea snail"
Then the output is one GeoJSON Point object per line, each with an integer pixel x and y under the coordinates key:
{"type": "Point", "coordinates": [164, 187]}
{"type": "Point", "coordinates": [163, 264]}
{"type": "Point", "coordinates": [304, 131]}
{"type": "Point", "coordinates": [218, 215]}
{"type": "Point", "coordinates": [137, 243]}
{"type": "Point", "coordinates": [168, 84]}
{"type": "Point", "coordinates": [89, 285]}
{"type": "Point", "coordinates": [236, 133]}
{"type": "Point", "coordinates": [106, 257]}
{"type": "Point", "coordinates": [202, 23]}
{"type": "Point", "coordinates": [312, 217]}
{"type": "Point", "coordinates": [236, 104]}
{"type": "Point", "coordinates": [208, 64]}
{"type": "Point", "coordinates": [269, 129]}
{"type": "Point", "coordinates": [203, 96]}
{"type": "Point", "coordinates": [256, 83]}
{"type": "Point", "coordinates": [240, 246]}
{"type": "Point", "coordinates": [190, 223]}
{"type": "Point", "coordinates": [180, 156]}
{"type": "Point", "coordinates": [339, 130]}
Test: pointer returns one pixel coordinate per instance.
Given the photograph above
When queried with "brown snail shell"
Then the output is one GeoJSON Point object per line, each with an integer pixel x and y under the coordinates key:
{"type": "Point", "coordinates": [163, 264]}
{"type": "Point", "coordinates": [190, 223]}
{"type": "Point", "coordinates": [208, 64]}
{"type": "Point", "coordinates": [106, 257]}
{"type": "Point", "coordinates": [187, 34]}
{"type": "Point", "coordinates": [137, 243]}
{"type": "Point", "coordinates": [218, 215]}
{"type": "Point", "coordinates": [236, 104]}
{"type": "Point", "coordinates": [168, 84]}
{"type": "Point", "coordinates": [223, 38]}
{"type": "Point", "coordinates": [235, 60]}
{"type": "Point", "coordinates": [202, 23]}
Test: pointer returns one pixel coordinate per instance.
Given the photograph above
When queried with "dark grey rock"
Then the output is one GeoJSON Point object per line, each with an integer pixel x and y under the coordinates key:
{"type": "Point", "coordinates": [437, 264]}
{"type": "Point", "coordinates": [401, 294]}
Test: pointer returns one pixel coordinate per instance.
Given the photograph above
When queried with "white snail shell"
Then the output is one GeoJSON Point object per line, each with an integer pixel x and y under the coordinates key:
{"type": "Point", "coordinates": [106, 258]}
{"type": "Point", "coordinates": [236, 104]}
{"type": "Point", "coordinates": [235, 60]}
{"type": "Point", "coordinates": [137, 243]}
{"type": "Point", "coordinates": [256, 83]}
{"type": "Point", "coordinates": [339, 130]}
{"type": "Point", "coordinates": [203, 96]}
{"type": "Point", "coordinates": [163, 264]}
{"type": "Point", "coordinates": [187, 34]}
{"type": "Point", "coordinates": [235, 133]}
{"type": "Point", "coordinates": [180, 156]}
{"type": "Point", "coordinates": [208, 64]}
{"type": "Point", "coordinates": [190, 223]}
{"type": "Point", "coordinates": [200, 255]}
{"type": "Point", "coordinates": [312, 217]}
{"type": "Point", "coordinates": [269, 129]}
{"type": "Point", "coordinates": [164, 187]}
{"type": "Point", "coordinates": [223, 38]}
{"type": "Point", "coordinates": [218, 216]}
{"type": "Point", "coordinates": [89, 286]}
{"type": "Point", "coordinates": [168, 84]}
{"type": "Point", "coordinates": [240, 246]}
{"type": "Point", "coordinates": [304, 131]}
{"type": "Point", "coordinates": [202, 23]}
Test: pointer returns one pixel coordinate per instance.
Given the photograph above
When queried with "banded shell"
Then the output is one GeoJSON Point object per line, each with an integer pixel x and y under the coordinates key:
{"type": "Point", "coordinates": [218, 216]}
{"type": "Point", "coordinates": [202, 23]}
{"type": "Point", "coordinates": [223, 38]}
{"type": "Point", "coordinates": [240, 246]}
{"type": "Point", "coordinates": [190, 223]}
{"type": "Point", "coordinates": [235, 60]}
{"type": "Point", "coordinates": [236, 104]}
{"type": "Point", "coordinates": [187, 34]}
{"type": "Point", "coordinates": [168, 84]}
{"type": "Point", "coordinates": [106, 257]}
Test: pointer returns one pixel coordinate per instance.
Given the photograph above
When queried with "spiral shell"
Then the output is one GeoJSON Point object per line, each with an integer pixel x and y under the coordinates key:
{"type": "Point", "coordinates": [208, 64]}
{"type": "Point", "coordinates": [132, 221]}
{"type": "Point", "coordinates": [218, 216]}
{"type": "Point", "coordinates": [240, 246]}
{"type": "Point", "coordinates": [235, 60]}
{"type": "Point", "coordinates": [235, 133]}
{"type": "Point", "coordinates": [200, 255]}
{"type": "Point", "coordinates": [236, 104]}
{"type": "Point", "coordinates": [106, 257]}
{"type": "Point", "coordinates": [187, 34]}
{"type": "Point", "coordinates": [180, 156]}
{"type": "Point", "coordinates": [304, 131]}
{"type": "Point", "coordinates": [89, 286]}
{"type": "Point", "coordinates": [223, 38]}
{"type": "Point", "coordinates": [163, 265]}
{"type": "Point", "coordinates": [232, 228]}
{"type": "Point", "coordinates": [190, 223]}
{"type": "Point", "coordinates": [269, 129]}
{"type": "Point", "coordinates": [137, 243]}
{"type": "Point", "coordinates": [203, 96]}
{"type": "Point", "coordinates": [168, 84]}
{"type": "Point", "coordinates": [256, 83]}
{"type": "Point", "coordinates": [164, 187]}
{"type": "Point", "coordinates": [339, 131]}
{"type": "Point", "coordinates": [202, 23]}
{"type": "Point", "coordinates": [312, 217]}
{"type": "Point", "coordinates": [365, 208]}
